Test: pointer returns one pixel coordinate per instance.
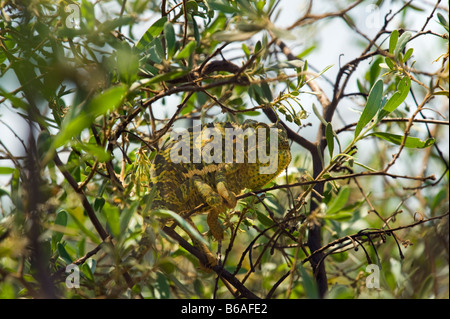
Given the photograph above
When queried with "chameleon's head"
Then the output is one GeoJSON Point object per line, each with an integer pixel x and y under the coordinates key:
{"type": "Point", "coordinates": [272, 157]}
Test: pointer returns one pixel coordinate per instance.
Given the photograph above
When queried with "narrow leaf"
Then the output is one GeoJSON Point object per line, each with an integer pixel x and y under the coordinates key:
{"type": "Point", "coordinates": [411, 142]}
{"type": "Point", "coordinates": [152, 32]}
{"type": "Point", "coordinates": [106, 101]}
{"type": "Point", "coordinates": [372, 106]}
{"type": "Point", "coordinates": [399, 96]}
{"type": "Point", "coordinates": [61, 219]}
{"type": "Point", "coordinates": [402, 41]}
{"type": "Point", "coordinates": [99, 105]}
{"type": "Point", "coordinates": [319, 116]}
{"type": "Point", "coordinates": [389, 63]}
{"type": "Point", "coordinates": [126, 216]}
{"type": "Point", "coordinates": [112, 216]}
{"type": "Point", "coordinates": [408, 54]}
{"type": "Point", "coordinates": [96, 151]}
{"type": "Point", "coordinates": [230, 36]}
{"type": "Point", "coordinates": [169, 34]}
{"type": "Point", "coordinates": [443, 21]}
{"type": "Point", "coordinates": [393, 41]}
{"type": "Point", "coordinates": [6, 170]}
{"type": "Point", "coordinates": [63, 253]}
{"type": "Point", "coordinates": [339, 201]}
{"type": "Point", "coordinates": [286, 64]}
{"type": "Point", "coordinates": [187, 51]}
{"type": "Point", "coordinates": [330, 139]}
{"type": "Point", "coordinates": [309, 284]}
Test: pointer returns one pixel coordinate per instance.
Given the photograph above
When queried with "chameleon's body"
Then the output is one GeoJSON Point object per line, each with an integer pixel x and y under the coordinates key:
{"type": "Point", "coordinates": [182, 186]}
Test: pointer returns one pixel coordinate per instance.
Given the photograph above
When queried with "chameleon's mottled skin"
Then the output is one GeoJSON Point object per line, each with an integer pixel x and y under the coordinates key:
{"type": "Point", "coordinates": [180, 187]}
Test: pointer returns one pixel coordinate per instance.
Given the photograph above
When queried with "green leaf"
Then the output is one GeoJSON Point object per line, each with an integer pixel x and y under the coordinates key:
{"type": "Point", "coordinates": [61, 220]}
{"type": "Point", "coordinates": [187, 51]}
{"type": "Point", "coordinates": [443, 21]}
{"type": "Point", "coordinates": [155, 51]}
{"type": "Point", "coordinates": [266, 221]}
{"type": "Point", "coordinates": [438, 199]}
{"type": "Point", "coordinates": [73, 166]}
{"type": "Point", "coordinates": [196, 29]}
{"type": "Point", "coordinates": [319, 116]}
{"type": "Point", "coordinates": [159, 78]}
{"type": "Point", "coordinates": [309, 284]}
{"type": "Point", "coordinates": [64, 254]}
{"type": "Point", "coordinates": [374, 71]}
{"type": "Point", "coordinates": [110, 25]}
{"type": "Point", "coordinates": [251, 113]}
{"type": "Point", "coordinates": [112, 217]}
{"type": "Point", "coordinates": [86, 231]}
{"type": "Point", "coordinates": [6, 170]}
{"type": "Point", "coordinates": [162, 286]}
{"type": "Point", "coordinates": [393, 41]}
{"type": "Point", "coordinates": [330, 139]}
{"type": "Point", "coordinates": [87, 271]}
{"type": "Point", "coordinates": [306, 52]}
{"type": "Point", "coordinates": [14, 100]}
{"type": "Point", "coordinates": [283, 33]}
{"type": "Point", "coordinates": [372, 106]}
{"type": "Point", "coordinates": [249, 26]}
{"type": "Point", "coordinates": [223, 7]}
{"type": "Point", "coordinates": [44, 144]}
{"type": "Point", "coordinates": [389, 63]}
{"type": "Point", "coordinates": [71, 128]}
{"type": "Point", "coordinates": [192, 6]}
{"type": "Point", "coordinates": [411, 142]}
{"type": "Point", "coordinates": [99, 105]}
{"type": "Point", "coordinates": [267, 92]}
{"type": "Point", "coordinates": [99, 202]}
{"type": "Point", "coordinates": [231, 36]}
{"type": "Point", "coordinates": [152, 32]}
{"type": "Point", "coordinates": [106, 101]}
{"type": "Point", "coordinates": [127, 65]}
{"type": "Point", "coordinates": [169, 34]}
{"type": "Point", "coordinates": [399, 96]}
{"type": "Point", "coordinates": [95, 151]}
{"type": "Point", "coordinates": [338, 203]}
{"type": "Point", "coordinates": [402, 41]}
{"type": "Point", "coordinates": [340, 216]}
{"type": "Point", "coordinates": [88, 13]}
{"type": "Point", "coordinates": [81, 247]}
{"type": "Point", "coordinates": [246, 50]}
{"type": "Point", "coordinates": [126, 216]}
{"type": "Point", "coordinates": [408, 54]}
{"type": "Point", "coordinates": [286, 65]}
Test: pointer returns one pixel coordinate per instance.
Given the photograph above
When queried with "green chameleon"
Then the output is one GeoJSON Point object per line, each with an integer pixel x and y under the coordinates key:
{"type": "Point", "coordinates": [212, 164]}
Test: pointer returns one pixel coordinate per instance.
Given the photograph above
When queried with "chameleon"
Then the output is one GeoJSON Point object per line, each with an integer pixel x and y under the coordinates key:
{"type": "Point", "coordinates": [211, 164]}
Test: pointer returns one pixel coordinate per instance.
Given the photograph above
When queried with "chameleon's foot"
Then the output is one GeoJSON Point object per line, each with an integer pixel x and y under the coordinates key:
{"type": "Point", "coordinates": [228, 196]}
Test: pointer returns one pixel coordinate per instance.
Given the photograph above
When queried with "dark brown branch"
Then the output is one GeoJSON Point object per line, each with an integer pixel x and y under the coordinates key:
{"type": "Point", "coordinates": [371, 233]}
{"type": "Point", "coordinates": [224, 274]}
{"type": "Point", "coordinates": [87, 206]}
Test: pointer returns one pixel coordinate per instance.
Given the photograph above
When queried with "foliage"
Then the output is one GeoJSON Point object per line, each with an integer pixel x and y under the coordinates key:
{"type": "Point", "coordinates": [96, 98]}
